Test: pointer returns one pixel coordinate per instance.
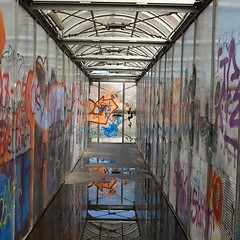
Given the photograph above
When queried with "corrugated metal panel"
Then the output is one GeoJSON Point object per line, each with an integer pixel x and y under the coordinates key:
{"type": "Point", "coordinates": [188, 93]}
{"type": "Point", "coordinates": [201, 135]}
{"type": "Point", "coordinates": [174, 158]}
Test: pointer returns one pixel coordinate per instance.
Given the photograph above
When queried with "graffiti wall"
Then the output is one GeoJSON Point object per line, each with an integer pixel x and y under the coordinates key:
{"type": "Point", "coordinates": [198, 120]}
{"type": "Point", "coordinates": [112, 112]}
{"type": "Point", "coordinates": [41, 120]}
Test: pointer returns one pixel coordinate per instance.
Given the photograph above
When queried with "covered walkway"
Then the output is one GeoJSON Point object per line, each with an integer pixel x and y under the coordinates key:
{"type": "Point", "coordinates": [120, 119]}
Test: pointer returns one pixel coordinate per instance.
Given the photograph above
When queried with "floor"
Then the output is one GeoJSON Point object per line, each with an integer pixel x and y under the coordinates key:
{"type": "Point", "coordinates": [108, 195]}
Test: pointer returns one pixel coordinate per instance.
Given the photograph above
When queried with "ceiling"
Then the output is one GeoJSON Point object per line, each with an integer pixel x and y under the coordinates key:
{"type": "Point", "coordinates": [115, 40]}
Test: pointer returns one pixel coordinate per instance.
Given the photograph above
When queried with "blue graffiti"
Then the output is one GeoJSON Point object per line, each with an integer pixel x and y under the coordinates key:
{"type": "Point", "coordinates": [111, 130]}
{"type": "Point", "coordinates": [22, 209]}
{"type": "Point", "coordinates": [6, 208]}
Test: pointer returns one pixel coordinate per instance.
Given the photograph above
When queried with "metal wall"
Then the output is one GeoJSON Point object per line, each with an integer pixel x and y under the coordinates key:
{"type": "Point", "coordinates": [188, 123]}
{"type": "Point", "coordinates": [43, 119]}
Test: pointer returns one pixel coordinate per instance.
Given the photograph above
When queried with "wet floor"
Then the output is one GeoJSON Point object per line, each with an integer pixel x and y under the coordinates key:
{"type": "Point", "coordinates": [108, 195]}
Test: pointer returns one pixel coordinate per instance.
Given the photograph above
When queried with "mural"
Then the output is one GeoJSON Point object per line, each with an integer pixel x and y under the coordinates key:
{"type": "Point", "coordinates": [112, 119]}
{"type": "Point", "coordinates": [38, 117]}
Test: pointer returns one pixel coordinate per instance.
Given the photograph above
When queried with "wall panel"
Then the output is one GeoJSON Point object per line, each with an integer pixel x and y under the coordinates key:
{"type": "Point", "coordinates": [201, 131]}
{"type": "Point", "coordinates": [175, 126]}
{"type": "Point", "coordinates": [225, 145]}
{"type": "Point", "coordinates": [199, 124]}
{"type": "Point", "coordinates": [38, 113]}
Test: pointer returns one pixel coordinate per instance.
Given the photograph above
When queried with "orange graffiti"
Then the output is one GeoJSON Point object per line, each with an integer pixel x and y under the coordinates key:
{"type": "Point", "coordinates": [2, 35]}
{"type": "Point", "coordinates": [176, 99]}
{"type": "Point", "coordinates": [215, 193]}
{"type": "Point", "coordinates": [105, 108]}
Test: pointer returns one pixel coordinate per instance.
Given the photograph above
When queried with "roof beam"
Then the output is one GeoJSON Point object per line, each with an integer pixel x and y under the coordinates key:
{"type": "Point", "coordinates": [120, 6]}
{"type": "Point", "coordinates": [131, 41]}
{"type": "Point", "coordinates": [109, 68]}
{"type": "Point", "coordinates": [111, 207]}
{"type": "Point", "coordinates": [128, 76]}
{"type": "Point", "coordinates": [115, 58]}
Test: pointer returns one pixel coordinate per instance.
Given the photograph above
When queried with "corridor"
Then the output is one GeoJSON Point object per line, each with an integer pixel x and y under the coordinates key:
{"type": "Point", "coordinates": [111, 189]}
{"type": "Point", "coordinates": [120, 119]}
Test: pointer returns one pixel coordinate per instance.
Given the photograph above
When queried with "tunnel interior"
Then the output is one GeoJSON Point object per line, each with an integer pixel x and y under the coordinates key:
{"type": "Point", "coordinates": [119, 119]}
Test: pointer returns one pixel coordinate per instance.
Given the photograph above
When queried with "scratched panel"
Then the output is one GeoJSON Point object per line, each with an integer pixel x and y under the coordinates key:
{"type": "Point", "coordinates": [7, 81]}
{"type": "Point", "coordinates": [140, 116]}
{"type": "Point", "coordinates": [161, 120]}
{"type": "Point", "coordinates": [175, 121]}
{"type": "Point", "coordinates": [151, 130]}
{"type": "Point", "coordinates": [225, 118]}
{"type": "Point", "coordinates": [184, 164]}
{"type": "Point", "coordinates": [201, 134]}
{"type": "Point", "coordinates": [147, 116]}
{"type": "Point", "coordinates": [69, 97]}
{"type": "Point", "coordinates": [221, 202]}
{"type": "Point", "coordinates": [226, 89]}
{"type": "Point", "coordinates": [155, 118]}
{"type": "Point", "coordinates": [168, 122]}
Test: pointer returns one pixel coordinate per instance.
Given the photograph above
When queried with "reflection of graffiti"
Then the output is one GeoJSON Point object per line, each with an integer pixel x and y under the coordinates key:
{"type": "Point", "coordinates": [107, 188]}
{"type": "Point", "coordinates": [111, 130]}
{"type": "Point", "coordinates": [100, 111]}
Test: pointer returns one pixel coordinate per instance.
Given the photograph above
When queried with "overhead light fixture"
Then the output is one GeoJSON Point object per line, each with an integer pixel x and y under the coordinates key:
{"type": "Point", "coordinates": [56, 20]}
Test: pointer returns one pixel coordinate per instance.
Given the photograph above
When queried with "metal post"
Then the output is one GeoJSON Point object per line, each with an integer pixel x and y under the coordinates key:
{"type": "Point", "coordinates": [123, 112]}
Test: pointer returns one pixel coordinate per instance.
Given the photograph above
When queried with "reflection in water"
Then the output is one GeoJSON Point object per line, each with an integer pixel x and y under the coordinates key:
{"type": "Point", "coordinates": [122, 203]}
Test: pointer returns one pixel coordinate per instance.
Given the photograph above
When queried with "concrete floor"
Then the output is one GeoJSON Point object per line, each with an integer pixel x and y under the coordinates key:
{"type": "Point", "coordinates": [108, 195]}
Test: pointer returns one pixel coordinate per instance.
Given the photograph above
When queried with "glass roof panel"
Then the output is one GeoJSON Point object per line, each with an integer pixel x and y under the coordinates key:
{"type": "Point", "coordinates": [100, 32]}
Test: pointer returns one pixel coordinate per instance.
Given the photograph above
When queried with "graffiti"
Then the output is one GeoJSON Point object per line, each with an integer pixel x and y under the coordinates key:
{"type": "Point", "coordinates": [176, 99]}
{"type": "Point", "coordinates": [227, 95]}
{"type": "Point", "coordinates": [215, 196]}
{"type": "Point", "coordinates": [181, 181]}
{"type": "Point", "coordinates": [198, 210]}
{"type": "Point", "coordinates": [129, 111]}
{"type": "Point", "coordinates": [22, 202]}
{"type": "Point", "coordinates": [92, 133]}
{"type": "Point", "coordinates": [111, 130]}
{"type": "Point", "coordinates": [188, 103]}
{"type": "Point", "coordinates": [2, 35]}
{"type": "Point", "coordinates": [112, 94]}
{"type": "Point", "coordinates": [100, 111]}
{"type": "Point", "coordinates": [10, 197]}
